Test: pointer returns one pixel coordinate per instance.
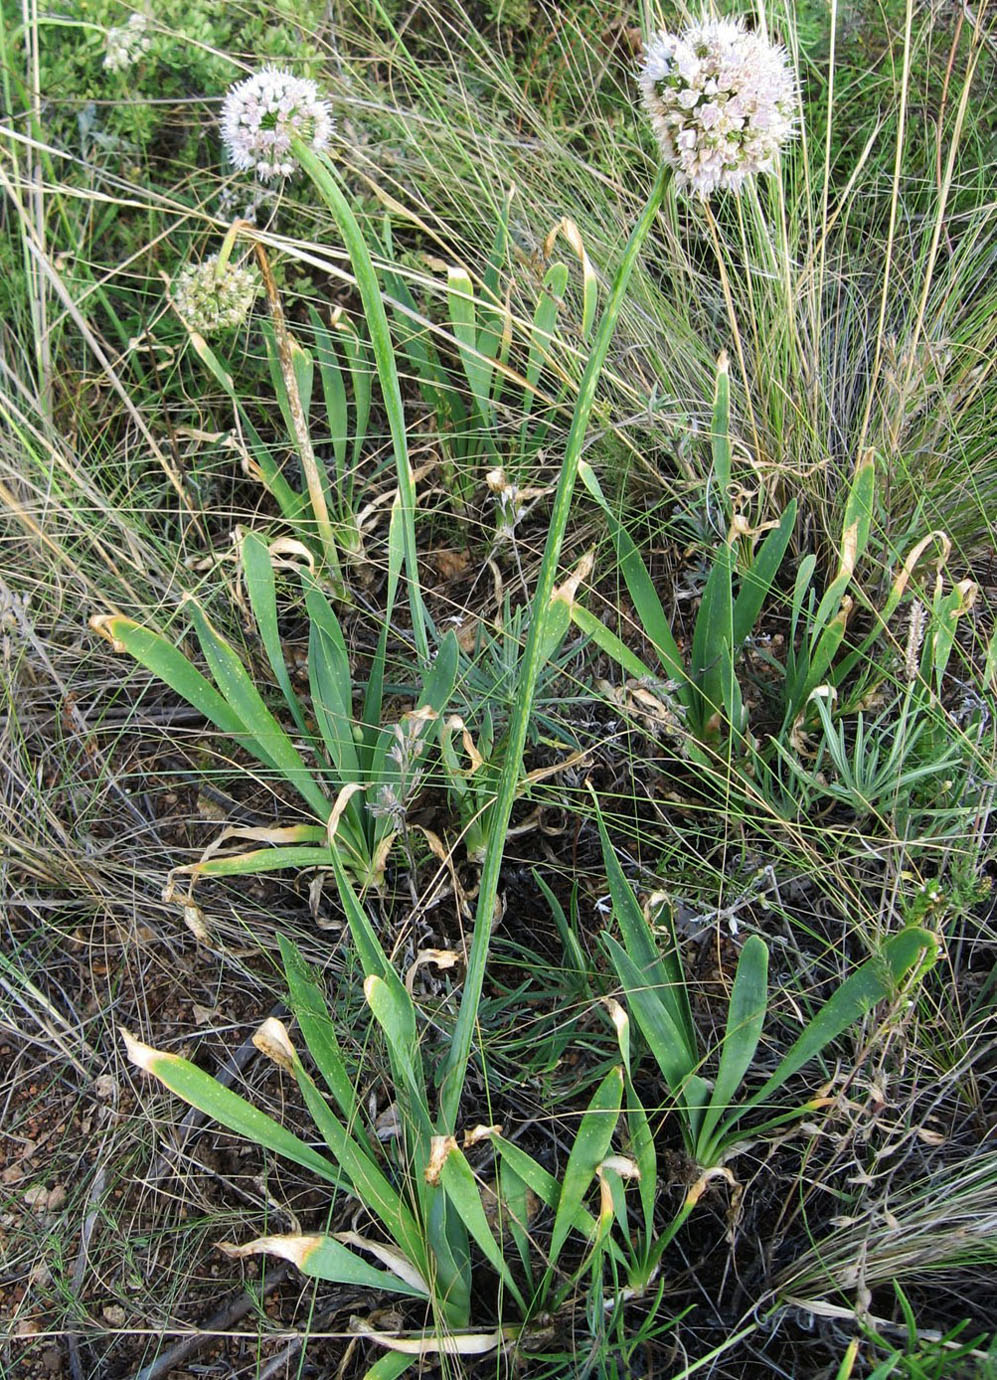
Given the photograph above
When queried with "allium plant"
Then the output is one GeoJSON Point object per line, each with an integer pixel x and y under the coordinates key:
{"type": "Point", "coordinates": [215, 295]}
{"type": "Point", "coordinates": [262, 115]}
{"type": "Point", "coordinates": [722, 102]}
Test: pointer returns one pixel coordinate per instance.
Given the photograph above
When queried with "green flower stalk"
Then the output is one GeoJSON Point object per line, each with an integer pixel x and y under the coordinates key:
{"type": "Point", "coordinates": [497, 822]}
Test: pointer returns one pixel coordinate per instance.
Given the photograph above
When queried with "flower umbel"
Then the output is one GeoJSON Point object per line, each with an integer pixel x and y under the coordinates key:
{"type": "Point", "coordinates": [127, 43]}
{"type": "Point", "coordinates": [261, 116]}
{"type": "Point", "coordinates": [722, 102]}
{"type": "Point", "coordinates": [214, 296]}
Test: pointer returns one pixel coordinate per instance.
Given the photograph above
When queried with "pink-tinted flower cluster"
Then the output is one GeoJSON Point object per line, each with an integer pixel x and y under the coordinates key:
{"type": "Point", "coordinates": [264, 113]}
{"type": "Point", "coordinates": [722, 102]}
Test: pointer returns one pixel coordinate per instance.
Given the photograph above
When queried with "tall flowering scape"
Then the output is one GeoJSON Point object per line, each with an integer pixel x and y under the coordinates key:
{"type": "Point", "coordinates": [261, 116]}
{"type": "Point", "coordinates": [722, 102]}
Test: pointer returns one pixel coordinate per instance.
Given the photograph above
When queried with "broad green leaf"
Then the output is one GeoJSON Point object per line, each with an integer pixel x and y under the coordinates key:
{"type": "Point", "coordinates": [332, 689]}
{"type": "Point", "coordinates": [390, 1366]}
{"type": "Point", "coordinates": [590, 1147]}
{"type": "Point", "coordinates": [200, 1090]}
{"type": "Point", "coordinates": [367, 1181]}
{"type": "Point", "coordinates": [875, 981]}
{"type": "Point", "coordinates": [322, 1257]}
{"type": "Point", "coordinates": [333, 392]}
{"type": "Point", "coordinates": [656, 1021]}
{"type": "Point", "coordinates": [643, 1150]}
{"type": "Point", "coordinates": [745, 1018]}
{"type": "Point", "coordinates": [360, 379]}
{"type": "Point", "coordinates": [238, 689]}
{"type": "Point", "coordinates": [541, 334]}
{"type": "Point", "coordinates": [540, 1182]}
{"type": "Point", "coordinates": [261, 587]}
{"type": "Point", "coordinates": [711, 665]}
{"type": "Point", "coordinates": [369, 950]}
{"type": "Point", "coordinates": [608, 642]}
{"type": "Point", "coordinates": [261, 860]}
{"type": "Point", "coordinates": [439, 682]}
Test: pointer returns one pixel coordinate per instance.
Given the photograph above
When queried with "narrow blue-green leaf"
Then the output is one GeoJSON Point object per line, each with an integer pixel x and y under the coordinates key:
{"type": "Point", "coordinates": [650, 613]}
{"type": "Point", "coordinates": [497, 824]}
{"type": "Point", "coordinates": [720, 434]}
{"type": "Point", "coordinates": [326, 179]}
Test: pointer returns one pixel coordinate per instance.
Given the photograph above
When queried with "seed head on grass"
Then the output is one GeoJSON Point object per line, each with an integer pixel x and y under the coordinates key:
{"type": "Point", "coordinates": [264, 113]}
{"type": "Point", "coordinates": [722, 102]}
{"type": "Point", "coordinates": [212, 296]}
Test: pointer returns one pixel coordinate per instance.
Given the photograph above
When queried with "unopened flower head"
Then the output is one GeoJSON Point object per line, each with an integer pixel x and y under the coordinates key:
{"type": "Point", "coordinates": [127, 43]}
{"type": "Point", "coordinates": [261, 116]}
{"type": "Point", "coordinates": [722, 102]}
{"type": "Point", "coordinates": [211, 298]}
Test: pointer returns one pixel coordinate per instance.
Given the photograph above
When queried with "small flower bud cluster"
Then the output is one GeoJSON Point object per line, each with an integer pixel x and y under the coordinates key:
{"type": "Point", "coordinates": [261, 116]}
{"type": "Point", "coordinates": [126, 44]}
{"type": "Point", "coordinates": [722, 102]}
{"type": "Point", "coordinates": [211, 299]}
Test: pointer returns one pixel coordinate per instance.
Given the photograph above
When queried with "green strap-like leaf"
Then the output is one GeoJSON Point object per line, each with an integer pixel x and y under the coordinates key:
{"type": "Point", "coordinates": [153, 651]}
{"type": "Point", "coordinates": [590, 1147]}
{"type": "Point", "coordinates": [200, 1090]}
{"type": "Point", "coordinates": [875, 981]}
{"type": "Point", "coordinates": [261, 587]}
{"type": "Point", "coordinates": [312, 1014]}
{"type": "Point", "coordinates": [461, 1188]}
{"type": "Point", "coordinates": [745, 1018]}
{"type": "Point", "coordinates": [238, 689]}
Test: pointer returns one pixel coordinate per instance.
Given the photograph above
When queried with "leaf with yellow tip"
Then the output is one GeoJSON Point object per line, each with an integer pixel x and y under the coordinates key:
{"type": "Point", "coordinates": [322, 1257]}
{"type": "Point", "coordinates": [226, 1107]}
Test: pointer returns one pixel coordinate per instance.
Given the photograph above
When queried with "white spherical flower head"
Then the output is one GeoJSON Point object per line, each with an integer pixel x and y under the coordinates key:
{"type": "Point", "coordinates": [722, 102]}
{"type": "Point", "coordinates": [261, 116]}
{"type": "Point", "coordinates": [209, 298]}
